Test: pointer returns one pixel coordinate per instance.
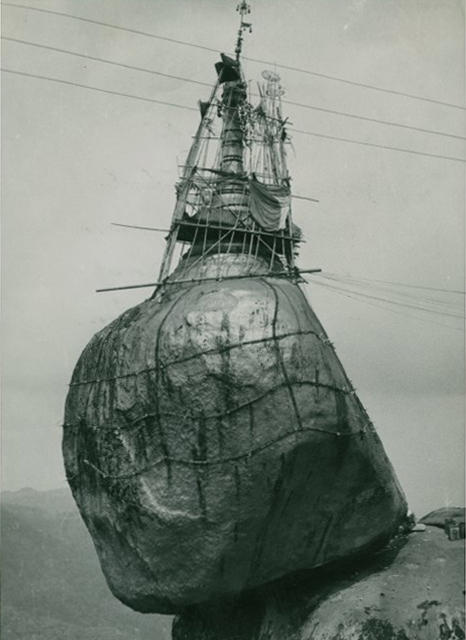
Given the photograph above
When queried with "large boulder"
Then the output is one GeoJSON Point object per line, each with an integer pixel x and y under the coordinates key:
{"type": "Point", "coordinates": [214, 443]}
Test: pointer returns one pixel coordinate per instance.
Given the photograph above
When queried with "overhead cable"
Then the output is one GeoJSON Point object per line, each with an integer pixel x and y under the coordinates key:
{"type": "Point", "coordinates": [105, 60]}
{"type": "Point", "coordinates": [379, 146]}
{"type": "Point", "coordinates": [368, 119]}
{"type": "Point", "coordinates": [385, 308]}
{"type": "Point", "coordinates": [401, 284]}
{"type": "Point", "coordinates": [255, 60]}
{"type": "Point", "coordinates": [111, 26]}
{"type": "Point", "coordinates": [85, 86]}
{"type": "Point", "coordinates": [395, 302]}
{"type": "Point", "coordinates": [357, 84]}
{"type": "Point", "coordinates": [180, 106]}
{"type": "Point", "coordinates": [401, 294]}
{"type": "Point", "coordinates": [206, 84]}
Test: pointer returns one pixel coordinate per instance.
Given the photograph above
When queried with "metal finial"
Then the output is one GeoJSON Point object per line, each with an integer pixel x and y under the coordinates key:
{"type": "Point", "coordinates": [244, 9]}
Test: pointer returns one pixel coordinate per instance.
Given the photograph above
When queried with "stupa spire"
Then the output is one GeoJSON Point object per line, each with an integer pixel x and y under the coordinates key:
{"type": "Point", "coordinates": [244, 9]}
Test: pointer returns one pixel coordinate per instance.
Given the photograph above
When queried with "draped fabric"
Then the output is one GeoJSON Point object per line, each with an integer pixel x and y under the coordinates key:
{"type": "Point", "coordinates": [269, 205]}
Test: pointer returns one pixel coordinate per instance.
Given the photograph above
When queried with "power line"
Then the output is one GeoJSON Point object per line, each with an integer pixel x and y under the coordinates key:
{"type": "Point", "coordinates": [117, 64]}
{"type": "Point", "coordinates": [111, 26]}
{"type": "Point", "coordinates": [206, 84]}
{"type": "Point", "coordinates": [401, 284]}
{"type": "Point", "coordinates": [85, 86]}
{"type": "Point", "coordinates": [400, 294]}
{"type": "Point", "coordinates": [395, 302]}
{"type": "Point", "coordinates": [378, 146]}
{"type": "Point", "coordinates": [357, 295]}
{"type": "Point", "coordinates": [255, 60]}
{"type": "Point", "coordinates": [379, 306]}
{"type": "Point", "coordinates": [368, 119]}
{"type": "Point", "coordinates": [357, 84]}
{"type": "Point", "coordinates": [172, 104]}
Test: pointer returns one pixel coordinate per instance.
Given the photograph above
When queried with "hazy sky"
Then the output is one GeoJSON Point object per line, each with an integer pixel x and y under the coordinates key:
{"type": "Point", "coordinates": [76, 160]}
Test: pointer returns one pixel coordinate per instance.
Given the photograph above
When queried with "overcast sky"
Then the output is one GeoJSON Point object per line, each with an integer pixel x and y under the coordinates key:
{"type": "Point", "coordinates": [75, 160]}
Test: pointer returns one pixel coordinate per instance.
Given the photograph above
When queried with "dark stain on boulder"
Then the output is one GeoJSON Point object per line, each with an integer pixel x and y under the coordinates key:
{"type": "Point", "coordinates": [378, 629]}
{"type": "Point", "coordinates": [425, 606]}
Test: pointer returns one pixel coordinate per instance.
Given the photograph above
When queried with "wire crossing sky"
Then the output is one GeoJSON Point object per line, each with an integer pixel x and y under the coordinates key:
{"type": "Point", "coordinates": [428, 305]}
{"type": "Point", "coordinates": [181, 106]}
{"type": "Point", "coordinates": [205, 48]}
{"type": "Point", "coordinates": [97, 121]}
{"type": "Point", "coordinates": [397, 284]}
{"type": "Point", "coordinates": [288, 102]}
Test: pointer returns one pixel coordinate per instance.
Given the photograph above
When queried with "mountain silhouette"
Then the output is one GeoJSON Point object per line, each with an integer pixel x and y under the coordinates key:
{"type": "Point", "coordinates": [52, 585]}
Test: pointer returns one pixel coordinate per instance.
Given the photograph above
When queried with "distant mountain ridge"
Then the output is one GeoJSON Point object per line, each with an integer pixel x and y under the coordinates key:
{"type": "Point", "coordinates": [29, 497]}
{"type": "Point", "coordinates": [52, 585]}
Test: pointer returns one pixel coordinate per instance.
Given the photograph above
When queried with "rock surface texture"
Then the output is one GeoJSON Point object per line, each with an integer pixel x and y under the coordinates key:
{"type": "Point", "coordinates": [412, 590]}
{"type": "Point", "coordinates": [214, 443]}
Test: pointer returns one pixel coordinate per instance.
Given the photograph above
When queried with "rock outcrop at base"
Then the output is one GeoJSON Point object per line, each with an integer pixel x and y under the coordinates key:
{"type": "Point", "coordinates": [412, 590]}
